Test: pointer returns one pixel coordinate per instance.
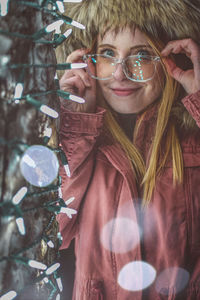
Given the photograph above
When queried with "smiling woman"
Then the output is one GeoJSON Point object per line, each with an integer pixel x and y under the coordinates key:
{"type": "Point", "coordinates": [137, 81]}
{"type": "Point", "coordinates": [133, 150]}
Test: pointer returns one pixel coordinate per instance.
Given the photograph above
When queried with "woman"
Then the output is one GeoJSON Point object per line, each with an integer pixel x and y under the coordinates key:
{"type": "Point", "coordinates": [134, 151]}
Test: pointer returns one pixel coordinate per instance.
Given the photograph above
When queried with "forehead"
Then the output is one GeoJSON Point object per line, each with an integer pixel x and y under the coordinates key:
{"type": "Point", "coordinates": [123, 37]}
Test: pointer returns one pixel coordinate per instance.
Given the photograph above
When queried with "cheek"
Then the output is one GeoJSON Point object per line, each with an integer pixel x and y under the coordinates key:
{"type": "Point", "coordinates": [104, 71]}
{"type": "Point", "coordinates": [100, 71]}
{"type": "Point", "coordinates": [156, 86]}
{"type": "Point", "coordinates": [102, 86]}
{"type": "Point", "coordinates": [102, 91]}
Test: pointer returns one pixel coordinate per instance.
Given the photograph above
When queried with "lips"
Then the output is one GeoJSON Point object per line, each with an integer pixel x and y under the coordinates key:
{"type": "Point", "coordinates": [125, 91]}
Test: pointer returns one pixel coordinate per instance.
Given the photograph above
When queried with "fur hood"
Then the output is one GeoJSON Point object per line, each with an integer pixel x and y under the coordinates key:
{"type": "Point", "coordinates": [161, 19]}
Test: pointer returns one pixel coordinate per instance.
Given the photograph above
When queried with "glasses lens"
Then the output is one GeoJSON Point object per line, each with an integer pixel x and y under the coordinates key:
{"type": "Point", "coordinates": [139, 68]}
{"type": "Point", "coordinates": [100, 66]}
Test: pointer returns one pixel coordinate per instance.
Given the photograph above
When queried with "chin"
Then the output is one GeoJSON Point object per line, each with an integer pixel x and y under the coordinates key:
{"type": "Point", "coordinates": [126, 108]}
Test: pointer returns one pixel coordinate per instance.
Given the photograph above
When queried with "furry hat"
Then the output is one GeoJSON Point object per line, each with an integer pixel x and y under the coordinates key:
{"type": "Point", "coordinates": [162, 19]}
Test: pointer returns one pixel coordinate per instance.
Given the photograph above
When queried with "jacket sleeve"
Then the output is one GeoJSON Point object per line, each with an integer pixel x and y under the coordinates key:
{"type": "Point", "coordinates": [78, 135]}
{"type": "Point", "coordinates": [192, 104]}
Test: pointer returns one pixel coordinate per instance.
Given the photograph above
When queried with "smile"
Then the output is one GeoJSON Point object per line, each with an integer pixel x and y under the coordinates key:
{"type": "Point", "coordinates": [125, 92]}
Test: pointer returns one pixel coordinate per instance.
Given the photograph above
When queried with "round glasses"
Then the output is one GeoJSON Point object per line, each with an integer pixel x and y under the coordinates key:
{"type": "Point", "coordinates": [139, 68]}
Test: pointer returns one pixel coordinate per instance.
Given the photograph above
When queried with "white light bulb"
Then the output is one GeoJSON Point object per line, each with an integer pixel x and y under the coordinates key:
{"type": "Point", "coordinates": [68, 211]}
{"type": "Point", "coordinates": [46, 280]}
{"type": "Point", "coordinates": [29, 161]}
{"type": "Point", "coordinates": [5, 59]}
{"type": "Point", "coordinates": [19, 195]}
{"type": "Point", "coordinates": [56, 76]}
{"type": "Point", "coordinates": [48, 111]}
{"type": "Point", "coordinates": [59, 283]}
{"type": "Point", "coordinates": [18, 90]}
{"type": "Point", "coordinates": [58, 297]}
{"type": "Point", "coordinates": [54, 26]}
{"type": "Point", "coordinates": [77, 24]}
{"type": "Point", "coordinates": [3, 7]}
{"type": "Point", "coordinates": [67, 170]}
{"type": "Point", "coordinates": [37, 265]}
{"type": "Point", "coordinates": [59, 192]}
{"type": "Point", "coordinates": [9, 296]}
{"type": "Point", "coordinates": [20, 225]}
{"type": "Point", "coordinates": [67, 33]}
{"type": "Point", "coordinates": [78, 65]}
{"type": "Point", "coordinates": [48, 132]}
{"type": "Point", "coordinates": [76, 99]}
{"type": "Point", "coordinates": [50, 244]}
{"type": "Point", "coordinates": [59, 236]}
{"type": "Point", "coordinates": [52, 268]}
{"type": "Point", "coordinates": [70, 200]}
{"type": "Point", "coordinates": [60, 6]}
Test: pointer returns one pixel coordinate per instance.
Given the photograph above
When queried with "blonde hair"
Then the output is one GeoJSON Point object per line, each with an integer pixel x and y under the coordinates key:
{"type": "Point", "coordinates": [164, 20]}
{"type": "Point", "coordinates": [165, 134]}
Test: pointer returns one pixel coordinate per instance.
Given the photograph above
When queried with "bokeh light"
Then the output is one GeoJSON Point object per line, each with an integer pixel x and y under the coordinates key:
{"type": "Point", "coordinates": [172, 277]}
{"type": "Point", "coordinates": [136, 276]}
{"type": "Point", "coordinates": [120, 235]}
{"type": "Point", "coordinates": [39, 165]}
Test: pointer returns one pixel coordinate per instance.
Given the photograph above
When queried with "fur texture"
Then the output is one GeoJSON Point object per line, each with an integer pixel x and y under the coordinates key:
{"type": "Point", "coordinates": [162, 19]}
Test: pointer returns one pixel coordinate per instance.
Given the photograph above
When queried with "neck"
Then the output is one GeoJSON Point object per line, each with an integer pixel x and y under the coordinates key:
{"type": "Point", "coordinates": [127, 123]}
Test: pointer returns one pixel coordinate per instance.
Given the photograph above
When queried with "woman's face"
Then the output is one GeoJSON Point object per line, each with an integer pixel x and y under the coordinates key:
{"type": "Point", "coordinates": [122, 94]}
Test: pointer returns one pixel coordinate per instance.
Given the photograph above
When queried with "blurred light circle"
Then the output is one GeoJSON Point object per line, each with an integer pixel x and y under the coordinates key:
{"type": "Point", "coordinates": [174, 277]}
{"type": "Point", "coordinates": [120, 235]}
{"type": "Point", "coordinates": [39, 165]}
{"type": "Point", "coordinates": [136, 276]}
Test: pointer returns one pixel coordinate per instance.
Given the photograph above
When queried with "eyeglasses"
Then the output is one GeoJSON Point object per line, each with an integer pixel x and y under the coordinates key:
{"type": "Point", "coordinates": [139, 68]}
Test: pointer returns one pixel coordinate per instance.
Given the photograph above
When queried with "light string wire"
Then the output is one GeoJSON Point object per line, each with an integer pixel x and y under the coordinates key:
{"type": "Point", "coordinates": [7, 207]}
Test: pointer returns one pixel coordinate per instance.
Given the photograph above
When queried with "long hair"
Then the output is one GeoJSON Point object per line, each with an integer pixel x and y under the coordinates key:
{"type": "Point", "coordinates": [165, 142]}
{"type": "Point", "coordinates": [160, 21]}
{"type": "Point", "coordinates": [165, 136]}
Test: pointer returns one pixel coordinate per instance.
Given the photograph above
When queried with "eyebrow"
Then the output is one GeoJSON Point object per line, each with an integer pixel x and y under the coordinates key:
{"type": "Point", "coordinates": [132, 48]}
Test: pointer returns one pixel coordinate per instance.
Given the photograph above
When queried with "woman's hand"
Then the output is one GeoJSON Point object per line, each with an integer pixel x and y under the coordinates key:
{"type": "Point", "coordinates": [79, 83]}
{"type": "Point", "coordinates": [189, 79]}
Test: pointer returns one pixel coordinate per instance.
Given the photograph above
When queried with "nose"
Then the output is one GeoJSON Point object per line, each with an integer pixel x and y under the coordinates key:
{"type": "Point", "coordinates": [119, 73]}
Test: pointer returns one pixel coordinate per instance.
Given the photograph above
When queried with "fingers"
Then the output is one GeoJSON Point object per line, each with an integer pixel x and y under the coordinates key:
{"type": "Point", "coordinates": [190, 78]}
{"type": "Point", "coordinates": [173, 70]}
{"type": "Point", "coordinates": [79, 83]}
{"type": "Point", "coordinates": [75, 80]}
{"type": "Point", "coordinates": [74, 86]}
{"type": "Point", "coordinates": [80, 73]}
{"type": "Point", "coordinates": [76, 55]}
{"type": "Point", "coordinates": [186, 46]}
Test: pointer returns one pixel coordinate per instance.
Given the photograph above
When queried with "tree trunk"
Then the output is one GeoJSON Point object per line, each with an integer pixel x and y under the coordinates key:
{"type": "Point", "coordinates": [22, 125]}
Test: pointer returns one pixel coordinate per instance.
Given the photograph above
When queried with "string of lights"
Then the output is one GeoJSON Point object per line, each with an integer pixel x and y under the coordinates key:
{"type": "Point", "coordinates": [32, 156]}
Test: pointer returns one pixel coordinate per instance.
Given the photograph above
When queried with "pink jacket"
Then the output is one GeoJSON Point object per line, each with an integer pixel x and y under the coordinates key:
{"type": "Point", "coordinates": [113, 235]}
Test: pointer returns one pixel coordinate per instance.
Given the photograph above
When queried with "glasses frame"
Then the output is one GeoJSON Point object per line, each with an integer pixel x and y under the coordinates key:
{"type": "Point", "coordinates": [122, 61]}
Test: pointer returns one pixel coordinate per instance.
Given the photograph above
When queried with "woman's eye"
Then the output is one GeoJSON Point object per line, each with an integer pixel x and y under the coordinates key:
{"type": "Point", "coordinates": [143, 53]}
{"type": "Point", "coordinates": [108, 52]}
